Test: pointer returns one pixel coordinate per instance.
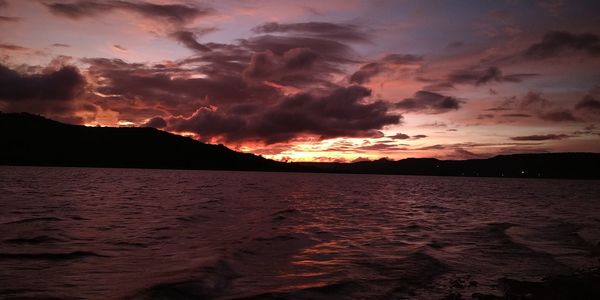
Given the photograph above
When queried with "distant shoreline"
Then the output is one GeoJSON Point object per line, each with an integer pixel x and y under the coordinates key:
{"type": "Point", "coordinates": [290, 172]}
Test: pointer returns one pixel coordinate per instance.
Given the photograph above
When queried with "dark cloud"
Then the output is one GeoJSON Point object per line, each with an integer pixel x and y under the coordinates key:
{"type": "Point", "coordinates": [506, 104]}
{"type": "Point", "coordinates": [369, 70]}
{"type": "Point", "coordinates": [485, 116]}
{"type": "Point", "coordinates": [534, 100]}
{"type": "Point", "coordinates": [11, 47]}
{"type": "Point", "coordinates": [338, 113]}
{"type": "Point", "coordinates": [174, 13]}
{"type": "Point", "coordinates": [268, 88]}
{"type": "Point", "coordinates": [540, 137]}
{"type": "Point", "coordinates": [188, 39]}
{"type": "Point", "coordinates": [588, 130]}
{"type": "Point", "coordinates": [558, 42]}
{"type": "Point", "coordinates": [169, 88]}
{"type": "Point", "coordinates": [479, 77]}
{"type": "Point", "coordinates": [380, 147]}
{"type": "Point", "coordinates": [534, 104]}
{"type": "Point", "coordinates": [588, 103]}
{"type": "Point", "coordinates": [50, 91]}
{"type": "Point", "coordinates": [296, 67]}
{"type": "Point", "coordinates": [419, 136]}
{"type": "Point", "coordinates": [9, 19]}
{"type": "Point", "coordinates": [476, 77]}
{"type": "Point", "coordinates": [429, 102]}
{"type": "Point", "coordinates": [366, 72]}
{"type": "Point", "coordinates": [330, 50]}
{"type": "Point", "coordinates": [435, 124]}
{"type": "Point", "coordinates": [516, 115]}
{"type": "Point", "coordinates": [156, 122]}
{"type": "Point", "coordinates": [335, 31]}
{"type": "Point", "coordinates": [400, 136]}
{"type": "Point", "coordinates": [432, 147]}
{"type": "Point", "coordinates": [228, 81]}
{"type": "Point", "coordinates": [296, 61]}
{"type": "Point", "coordinates": [561, 115]}
{"type": "Point", "coordinates": [61, 45]}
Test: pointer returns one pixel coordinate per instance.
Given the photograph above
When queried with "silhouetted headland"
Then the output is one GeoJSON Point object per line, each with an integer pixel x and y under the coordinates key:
{"type": "Point", "coordinates": [34, 140]}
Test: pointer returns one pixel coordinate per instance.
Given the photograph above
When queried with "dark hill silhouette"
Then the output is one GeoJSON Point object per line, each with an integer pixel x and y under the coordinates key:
{"type": "Point", "coordinates": [538, 165]}
{"type": "Point", "coordinates": [33, 140]}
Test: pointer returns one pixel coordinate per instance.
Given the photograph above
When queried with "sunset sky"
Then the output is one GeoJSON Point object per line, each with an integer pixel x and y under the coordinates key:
{"type": "Point", "coordinates": [323, 80]}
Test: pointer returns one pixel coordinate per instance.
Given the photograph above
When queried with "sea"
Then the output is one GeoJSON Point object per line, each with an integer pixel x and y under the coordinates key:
{"type": "Point", "coordinates": [94, 233]}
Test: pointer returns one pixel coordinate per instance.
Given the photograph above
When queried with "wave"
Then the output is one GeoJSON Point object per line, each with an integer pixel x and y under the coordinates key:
{"type": "Point", "coordinates": [42, 239]}
{"type": "Point", "coordinates": [50, 256]}
{"type": "Point", "coordinates": [213, 282]}
{"type": "Point", "coordinates": [284, 214]}
{"type": "Point", "coordinates": [345, 289]}
{"type": "Point", "coordinates": [28, 220]}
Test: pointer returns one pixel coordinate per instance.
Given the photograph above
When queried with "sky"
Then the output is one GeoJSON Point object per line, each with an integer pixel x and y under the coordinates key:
{"type": "Point", "coordinates": [339, 80]}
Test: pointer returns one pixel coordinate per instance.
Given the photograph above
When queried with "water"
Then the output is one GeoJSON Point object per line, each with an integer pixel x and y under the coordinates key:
{"type": "Point", "coordinates": [77, 233]}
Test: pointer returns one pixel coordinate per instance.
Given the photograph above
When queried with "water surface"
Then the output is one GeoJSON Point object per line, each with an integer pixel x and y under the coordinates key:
{"type": "Point", "coordinates": [77, 233]}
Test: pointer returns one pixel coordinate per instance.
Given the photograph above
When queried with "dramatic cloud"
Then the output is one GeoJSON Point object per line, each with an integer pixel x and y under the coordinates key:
{"type": "Point", "coordinates": [331, 50]}
{"type": "Point", "coordinates": [557, 42]}
{"type": "Point", "coordinates": [156, 122]}
{"type": "Point", "coordinates": [432, 147]}
{"type": "Point", "coordinates": [227, 85]}
{"type": "Point", "coordinates": [540, 137]}
{"type": "Point", "coordinates": [334, 31]}
{"type": "Point", "coordinates": [588, 103]}
{"type": "Point", "coordinates": [379, 146]}
{"type": "Point", "coordinates": [535, 104]}
{"type": "Point", "coordinates": [562, 115]}
{"type": "Point", "coordinates": [400, 136]}
{"type": "Point", "coordinates": [265, 63]}
{"type": "Point", "coordinates": [188, 39]}
{"type": "Point", "coordinates": [338, 113]}
{"type": "Point", "coordinates": [48, 92]}
{"type": "Point", "coordinates": [476, 77]}
{"type": "Point", "coordinates": [369, 70]}
{"type": "Point", "coordinates": [178, 91]}
{"type": "Point", "coordinates": [479, 77]}
{"type": "Point", "coordinates": [173, 13]}
{"type": "Point", "coordinates": [429, 102]}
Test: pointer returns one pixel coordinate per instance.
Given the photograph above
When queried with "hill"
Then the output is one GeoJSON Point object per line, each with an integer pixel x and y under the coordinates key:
{"type": "Point", "coordinates": [33, 140]}
{"type": "Point", "coordinates": [538, 165]}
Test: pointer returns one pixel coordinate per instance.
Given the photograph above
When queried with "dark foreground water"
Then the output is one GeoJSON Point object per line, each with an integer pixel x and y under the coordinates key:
{"type": "Point", "coordinates": [76, 233]}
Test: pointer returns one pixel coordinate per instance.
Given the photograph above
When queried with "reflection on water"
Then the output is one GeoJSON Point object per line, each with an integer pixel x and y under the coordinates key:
{"type": "Point", "coordinates": [76, 233]}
